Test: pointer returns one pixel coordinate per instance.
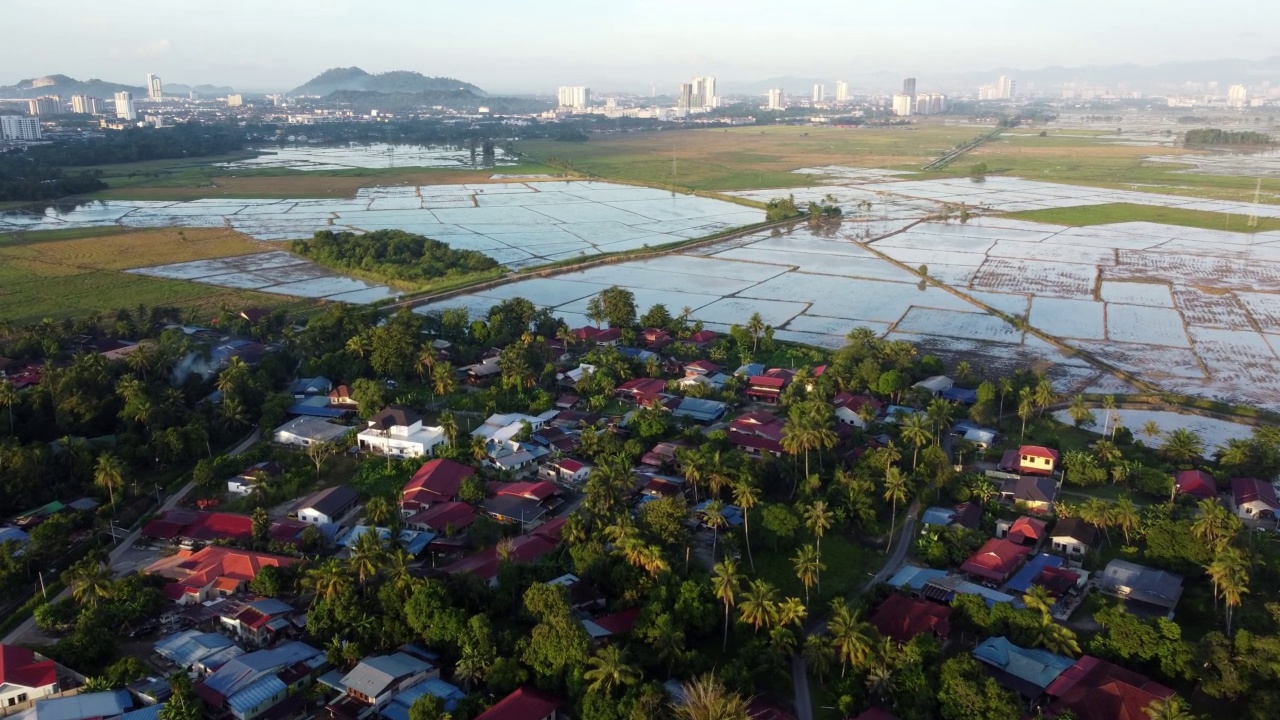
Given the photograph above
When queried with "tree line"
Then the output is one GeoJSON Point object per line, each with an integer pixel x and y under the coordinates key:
{"type": "Point", "coordinates": [393, 254]}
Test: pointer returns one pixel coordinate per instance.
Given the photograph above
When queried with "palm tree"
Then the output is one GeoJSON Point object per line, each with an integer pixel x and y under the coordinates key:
{"type": "Point", "coordinates": [426, 361]}
{"type": "Point", "coordinates": [725, 583]}
{"type": "Point", "coordinates": [667, 640]}
{"type": "Point", "coordinates": [1043, 395]}
{"type": "Point", "coordinates": [939, 414]}
{"type": "Point", "coordinates": [443, 379]}
{"type": "Point", "coordinates": [895, 491]}
{"type": "Point", "coordinates": [799, 436]}
{"type": "Point", "coordinates": [915, 430]}
{"type": "Point", "coordinates": [1006, 386]}
{"type": "Point", "coordinates": [1109, 406]}
{"type": "Point", "coordinates": [610, 670]}
{"type": "Point", "coordinates": [327, 580]}
{"type": "Point", "coordinates": [108, 473]}
{"type": "Point", "coordinates": [818, 653]}
{"type": "Point", "coordinates": [90, 581]}
{"type": "Point", "coordinates": [1182, 446]}
{"type": "Point", "coordinates": [1216, 525]}
{"type": "Point", "coordinates": [818, 519]}
{"type": "Point", "coordinates": [759, 604]}
{"type": "Point", "coordinates": [1055, 638]}
{"type": "Point", "coordinates": [1098, 514]}
{"type": "Point", "coordinates": [880, 681]}
{"type": "Point", "coordinates": [1026, 406]}
{"type": "Point", "coordinates": [1230, 573]}
{"type": "Point", "coordinates": [367, 553]}
{"type": "Point", "coordinates": [706, 698]}
{"type": "Point", "coordinates": [234, 413]}
{"type": "Point", "coordinates": [8, 398]}
{"type": "Point", "coordinates": [713, 516]}
{"type": "Point", "coordinates": [1080, 412]}
{"type": "Point", "coordinates": [808, 565]}
{"type": "Point", "coordinates": [851, 636]}
{"type": "Point", "coordinates": [1037, 597]}
{"type": "Point", "coordinates": [791, 612]}
{"type": "Point", "coordinates": [756, 326]}
{"type": "Point", "coordinates": [1170, 708]}
{"type": "Point", "coordinates": [449, 426]}
{"type": "Point", "coordinates": [378, 511]}
{"type": "Point", "coordinates": [747, 496]}
{"type": "Point", "coordinates": [1124, 515]}
{"type": "Point", "coordinates": [1151, 429]}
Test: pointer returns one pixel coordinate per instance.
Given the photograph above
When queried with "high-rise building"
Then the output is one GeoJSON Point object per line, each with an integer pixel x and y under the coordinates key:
{"type": "Point", "coordinates": [902, 104]}
{"type": "Point", "coordinates": [703, 93]}
{"type": "Point", "coordinates": [937, 103]}
{"type": "Point", "coordinates": [235, 100]}
{"type": "Point", "coordinates": [576, 97]}
{"type": "Point", "coordinates": [85, 105]}
{"type": "Point", "coordinates": [1006, 87]}
{"type": "Point", "coordinates": [685, 99]}
{"type": "Point", "coordinates": [45, 105]}
{"type": "Point", "coordinates": [124, 106]}
{"type": "Point", "coordinates": [909, 87]}
{"type": "Point", "coordinates": [17, 127]}
{"type": "Point", "coordinates": [776, 98]}
{"type": "Point", "coordinates": [1238, 96]}
{"type": "Point", "coordinates": [154, 91]}
{"type": "Point", "coordinates": [842, 91]}
{"type": "Point", "coordinates": [819, 92]}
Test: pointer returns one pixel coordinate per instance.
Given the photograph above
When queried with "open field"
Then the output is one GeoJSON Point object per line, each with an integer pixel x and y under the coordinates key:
{"type": "Point", "coordinates": [1087, 215]}
{"type": "Point", "coordinates": [750, 157]}
{"type": "Point", "coordinates": [70, 273]}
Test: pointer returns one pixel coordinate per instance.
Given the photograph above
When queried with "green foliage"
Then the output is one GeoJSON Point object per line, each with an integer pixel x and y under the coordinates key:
{"type": "Point", "coordinates": [393, 254]}
{"type": "Point", "coordinates": [782, 209]}
{"type": "Point", "coordinates": [968, 693]}
{"type": "Point", "coordinates": [619, 306]}
{"type": "Point", "coordinates": [979, 170]}
{"type": "Point", "coordinates": [1216, 136]}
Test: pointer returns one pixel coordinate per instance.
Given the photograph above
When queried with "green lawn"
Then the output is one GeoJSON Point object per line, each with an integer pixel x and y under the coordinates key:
{"type": "Point", "coordinates": [848, 564]}
{"type": "Point", "coordinates": [1125, 212]}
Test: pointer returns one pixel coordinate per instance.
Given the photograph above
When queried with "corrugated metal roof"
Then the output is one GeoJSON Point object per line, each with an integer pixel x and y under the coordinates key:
{"type": "Point", "coordinates": [257, 693]}
{"type": "Point", "coordinates": [83, 706]}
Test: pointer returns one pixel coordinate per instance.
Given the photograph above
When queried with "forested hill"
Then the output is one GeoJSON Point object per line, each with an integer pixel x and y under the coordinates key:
{"type": "Point", "coordinates": [66, 87]}
{"type": "Point", "coordinates": [460, 100]}
{"type": "Point", "coordinates": [395, 81]}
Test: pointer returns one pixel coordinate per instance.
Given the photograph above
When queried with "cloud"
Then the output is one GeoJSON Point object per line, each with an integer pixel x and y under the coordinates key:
{"type": "Point", "coordinates": [156, 49]}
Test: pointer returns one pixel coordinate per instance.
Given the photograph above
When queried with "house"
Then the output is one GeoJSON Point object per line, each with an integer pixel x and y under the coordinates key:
{"type": "Point", "coordinates": [996, 560]}
{"type": "Point", "coordinates": [305, 387]}
{"type": "Point", "coordinates": [1142, 588]}
{"type": "Point", "coordinates": [212, 572]}
{"type": "Point", "coordinates": [1029, 573]}
{"type": "Point", "coordinates": [1094, 689]}
{"type": "Point", "coordinates": [445, 518]}
{"type": "Point", "coordinates": [1038, 493]}
{"type": "Point", "coordinates": [613, 625]}
{"type": "Point", "coordinates": [341, 397]}
{"type": "Point", "coordinates": [306, 430]}
{"type": "Point", "coordinates": [701, 368]}
{"type": "Point", "coordinates": [660, 486]}
{"type": "Point", "coordinates": [1253, 499]}
{"type": "Point", "coordinates": [967, 515]}
{"type": "Point", "coordinates": [600, 337]}
{"type": "Point", "coordinates": [84, 706]}
{"type": "Point", "coordinates": [25, 676]}
{"type": "Point", "coordinates": [501, 427]}
{"type": "Point", "coordinates": [758, 432]}
{"type": "Point", "coordinates": [1196, 483]}
{"type": "Point", "coordinates": [567, 402]}
{"type": "Point", "coordinates": [250, 685]}
{"type": "Point", "coordinates": [512, 509]}
{"type": "Point", "coordinates": [582, 596]}
{"type": "Point", "coordinates": [191, 528]}
{"type": "Point", "coordinates": [1024, 531]}
{"type": "Point", "coordinates": [260, 621]}
{"type": "Point", "coordinates": [665, 454]}
{"type": "Point", "coordinates": [523, 549]}
{"type": "Point", "coordinates": [398, 708]}
{"type": "Point", "coordinates": [641, 390]}
{"type": "Point", "coordinates": [328, 506]}
{"type": "Point", "coordinates": [375, 680]}
{"type": "Point", "coordinates": [1073, 537]}
{"type": "Point", "coordinates": [258, 473]}
{"type": "Point", "coordinates": [398, 431]}
{"type": "Point", "coordinates": [769, 386]}
{"type": "Point", "coordinates": [566, 470]}
{"type": "Point", "coordinates": [571, 378]}
{"type": "Point", "coordinates": [518, 458]}
{"type": "Point", "coordinates": [1023, 670]}
{"type": "Point", "coordinates": [935, 385]}
{"type": "Point", "coordinates": [523, 704]}
{"type": "Point", "coordinates": [1035, 460]}
{"type": "Point", "coordinates": [848, 408]}
{"type": "Point", "coordinates": [702, 338]}
{"type": "Point", "coordinates": [655, 338]}
{"type": "Point", "coordinates": [700, 410]}
{"type": "Point", "coordinates": [193, 650]}
{"type": "Point", "coordinates": [901, 618]}
{"type": "Point", "coordinates": [959, 395]}
{"type": "Point", "coordinates": [483, 371]}
{"type": "Point", "coordinates": [412, 541]}
{"type": "Point", "coordinates": [435, 482]}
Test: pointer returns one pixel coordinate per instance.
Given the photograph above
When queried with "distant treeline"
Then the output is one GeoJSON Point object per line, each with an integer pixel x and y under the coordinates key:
{"type": "Point", "coordinates": [1214, 136]}
{"type": "Point", "coordinates": [392, 254]}
{"type": "Point", "coordinates": [22, 179]}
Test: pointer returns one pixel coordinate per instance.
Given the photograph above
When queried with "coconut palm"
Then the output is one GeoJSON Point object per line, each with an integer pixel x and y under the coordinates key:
{"type": "Point", "coordinates": [378, 511]}
{"type": "Point", "coordinates": [791, 612]}
{"type": "Point", "coordinates": [610, 670]}
{"type": "Point", "coordinates": [808, 565]}
{"type": "Point", "coordinates": [891, 454]}
{"type": "Point", "coordinates": [915, 430]}
{"type": "Point", "coordinates": [90, 581]}
{"type": "Point", "coordinates": [1098, 514]}
{"type": "Point", "coordinates": [852, 637]}
{"type": "Point", "coordinates": [756, 327]}
{"type": "Point", "coordinates": [1124, 515]}
{"type": "Point", "coordinates": [667, 640]}
{"type": "Point", "coordinates": [1182, 446]}
{"type": "Point", "coordinates": [895, 491]}
{"type": "Point", "coordinates": [747, 495]}
{"type": "Point", "coordinates": [327, 580]}
{"type": "Point", "coordinates": [1230, 573]}
{"type": "Point", "coordinates": [759, 606]}
{"type": "Point", "coordinates": [818, 655]}
{"type": "Point", "coordinates": [1037, 597]}
{"type": "Point", "coordinates": [443, 379]}
{"type": "Point", "coordinates": [367, 553]}
{"type": "Point", "coordinates": [1170, 708]}
{"type": "Point", "coordinates": [725, 583]}
{"type": "Point", "coordinates": [713, 516]}
{"type": "Point", "coordinates": [426, 361]}
{"type": "Point", "coordinates": [1055, 638]}
{"type": "Point", "coordinates": [108, 473]}
{"type": "Point", "coordinates": [706, 698]}
{"type": "Point", "coordinates": [449, 426]}
{"type": "Point", "coordinates": [1107, 452]}
{"type": "Point", "coordinates": [1043, 395]}
{"type": "Point", "coordinates": [818, 518]}
{"type": "Point", "coordinates": [1150, 429]}
{"type": "Point", "coordinates": [1026, 407]}
{"type": "Point", "coordinates": [8, 398]}
{"type": "Point", "coordinates": [1216, 525]}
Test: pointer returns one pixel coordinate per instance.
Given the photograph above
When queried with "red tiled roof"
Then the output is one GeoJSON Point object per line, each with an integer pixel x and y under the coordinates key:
{"type": "Point", "coordinates": [484, 564]}
{"type": "Point", "coordinates": [643, 386]}
{"type": "Point", "coordinates": [1095, 689]}
{"type": "Point", "coordinates": [1038, 451]}
{"type": "Point", "coordinates": [18, 666]}
{"type": "Point", "coordinates": [457, 515]}
{"type": "Point", "coordinates": [597, 334]}
{"type": "Point", "coordinates": [539, 490]}
{"type": "Point", "coordinates": [902, 618]}
{"type": "Point", "coordinates": [759, 423]}
{"type": "Point", "coordinates": [523, 704]}
{"type": "Point", "coordinates": [995, 560]}
{"type": "Point", "coordinates": [767, 382]}
{"type": "Point", "coordinates": [619, 623]}
{"type": "Point", "coordinates": [854, 403]}
{"type": "Point", "coordinates": [436, 481]}
{"type": "Point", "coordinates": [1197, 483]}
{"type": "Point", "coordinates": [1027, 531]}
{"type": "Point", "coordinates": [216, 564]}
{"type": "Point", "coordinates": [570, 465]}
{"type": "Point", "coordinates": [551, 530]}
{"type": "Point", "coordinates": [755, 442]}
{"type": "Point", "coordinates": [703, 336]}
{"type": "Point", "coordinates": [1247, 490]}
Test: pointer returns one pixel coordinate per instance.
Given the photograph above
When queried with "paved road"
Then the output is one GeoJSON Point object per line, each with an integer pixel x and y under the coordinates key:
{"type": "Point", "coordinates": [799, 672]}
{"type": "Point", "coordinates": [115, 556]}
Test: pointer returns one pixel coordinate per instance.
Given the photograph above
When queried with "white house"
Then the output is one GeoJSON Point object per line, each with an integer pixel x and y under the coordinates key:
{"type": "Point", "coordinates": [935, 385]}
{"type": "Point", "coordinates": [398, 431]}
{"type": "Point", "coordinates": [1073, 537]}
{"type": "Point", "coordinates": [501, 427]}
{"type": "Point", "coordinates": [304, 431]}
{"type": "Point", "coordinates": [24, 677]}
{"type": "Point", "coordinates": [328, 506]}
{"type": "Point", "coordinates": [375, 680]}
{"type": "Point", "coordinates": [1253, 499]}
{"type": "Point", "coordinates": [566, 470]}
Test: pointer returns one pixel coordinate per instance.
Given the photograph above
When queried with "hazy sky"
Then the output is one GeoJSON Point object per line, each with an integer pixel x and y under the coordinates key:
{"type": "Point", "coordinates": [527, 46]}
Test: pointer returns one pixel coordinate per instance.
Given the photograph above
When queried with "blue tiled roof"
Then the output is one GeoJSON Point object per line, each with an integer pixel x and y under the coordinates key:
{"type": "Point", "coordinates": [1036, 666]}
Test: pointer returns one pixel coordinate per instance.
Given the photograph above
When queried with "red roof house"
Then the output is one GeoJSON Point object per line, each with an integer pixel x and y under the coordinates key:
{"type": "Point", "coordinates": [19, 668]}
{"type": "Point", "coordinates": [769, 386]}
{"type": "Point", "coordinates": [642, 390]}
{"type": "Point", "coordinates": [1253, 499]}
{"type": "Point", "coordinates": [440, 517]}
{"type": "Point", "coordinates": [1095, 689]}
{"type": "Point", "coordinates": [534, 490]}
{"type": "Point", "coordinates": [523, 704]}
{"type": "Point", "coordinates": [901, 618]}
{"type": "Point", "coordinates": [1037, 460]}
{"type": "Point", "coordinates": [436, 481]}
{"type": "Point", "coordinates": [996, 560]}
{"type": "Point", "coordinates": [599, 336]}
{"type": "Point", "coordinates": [701, 367]}
{"type": "Point", "coordinates": [1197, 483]}
{"type": "Point", "coordinates": [702, 338]}
{"type": "Point", "coordinates": [213, 571]}
{"type": "Point", "coordinates": [1027, 531]}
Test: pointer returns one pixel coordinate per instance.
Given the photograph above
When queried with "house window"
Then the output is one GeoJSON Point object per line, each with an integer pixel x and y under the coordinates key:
{"type": "Point", "coordinates": [22, 697]}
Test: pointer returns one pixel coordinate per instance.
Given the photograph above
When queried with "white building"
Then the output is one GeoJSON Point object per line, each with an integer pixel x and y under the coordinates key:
{"type": "Point", "coordinates": [155, 92]}
{"type": "Point", "coordinates": [1238, 96]}
{"type": "Point", "coordinates": [937, 103]}
{"type": "Point", "coordinates": [124, 106]}
{"type": "Point", "coordinates": [1006, 87]}
{"type": "Point", "coordinates": [45, 105]}
{"type": "Point", "coordinates": [576, 97]}
{"type": "Point", "coordinates": [819, 92]}
{"type": "Point", "coordinates": [235, 100]}
{"type": "Point", "coordinates": [776, 98]}
{"type": "Point", "coordinates": [17, 127]}
{"type": "Point", "coordinates": [902, 105]}
{"type": "Point", "coordinates": [704, 93]}
{"type": "Point", "coordinates": [24, 677]}
{"type": "Point", "coordinates": [842, 91]}
{"type": "Point", "coordinates": [328, 506]}
{"type": "Point", "coordinates": [85, 105]}
{"type": "Point", "coordinates": [398, 431]}
{"type": "Point", "coordinates": [305, 431]}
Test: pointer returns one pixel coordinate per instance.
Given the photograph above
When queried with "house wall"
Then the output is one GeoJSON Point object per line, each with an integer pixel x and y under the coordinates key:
{"type": "Point", "coordinates": [1032, 462]}
{"type": "Point", "coordinates": [16, 695]}
{"type": "Point", "coordinates": [261, 707]}
{"type": "Point", "coordinates": [390, 445]}
{"type": "Point", "coordinates": [313, 517]}
{"type": "Point", "coordinates": [1252, 510]}
{"type": "Point", "coordinates": [1068, 546]}
{"type": "Point", "coordinates": [849, 417]}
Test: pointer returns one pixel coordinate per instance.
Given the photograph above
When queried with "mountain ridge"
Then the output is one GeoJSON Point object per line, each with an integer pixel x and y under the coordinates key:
{"type": "Point", "coordinates": [392, 82]}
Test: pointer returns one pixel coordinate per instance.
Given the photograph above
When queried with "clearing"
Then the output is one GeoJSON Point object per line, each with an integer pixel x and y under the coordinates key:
{"type": "Point", "coordinates": [1086, 215]}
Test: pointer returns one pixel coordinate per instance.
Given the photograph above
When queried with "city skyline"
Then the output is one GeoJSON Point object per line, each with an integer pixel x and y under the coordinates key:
{"type": "Point", "coordinates": [131, 38]}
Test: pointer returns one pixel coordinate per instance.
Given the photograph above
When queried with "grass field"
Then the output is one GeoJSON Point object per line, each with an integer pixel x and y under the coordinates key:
{"type": "Point", "coordinates": [70, 273]}
{"type": "Point", "coordinates": [1126, 212]}
{"type": "Point", "coordinates": [749, 157]}
{"type": "Point", "coordinates": [847, 566]}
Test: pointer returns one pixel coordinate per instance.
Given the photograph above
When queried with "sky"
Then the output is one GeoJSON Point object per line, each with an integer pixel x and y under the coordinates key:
{"type": "Point", "coordinates": [510, 46]}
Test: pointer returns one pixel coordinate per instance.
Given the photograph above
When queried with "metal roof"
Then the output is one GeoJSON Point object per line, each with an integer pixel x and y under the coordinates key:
{"type": "Point", "coordinates": [256, 693]}
{"type": "Point", "coordinates": [81, 707]}
{"type": "Point", "coordinates": [192, 646]}
{"type": "Point", "coordinates": [1032, 665]}
{"type": "Point", "coordinates": [372, 676]}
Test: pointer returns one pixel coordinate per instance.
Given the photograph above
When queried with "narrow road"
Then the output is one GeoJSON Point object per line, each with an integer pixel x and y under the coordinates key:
{"type": "Point", "coordinates": [114, 556]}
{"type": "Point", "coordinates": [799, 672]}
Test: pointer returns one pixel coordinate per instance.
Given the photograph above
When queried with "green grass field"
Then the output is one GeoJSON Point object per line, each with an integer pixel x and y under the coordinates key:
{"type": "Point", "coordinates": [70, 273]}
{"type": "Point", "coordinates": [847, 566]}
{"type": "Point", "coordinates": [1126, 212]}
{"type": "Point", "coordinates": [749, 157]}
